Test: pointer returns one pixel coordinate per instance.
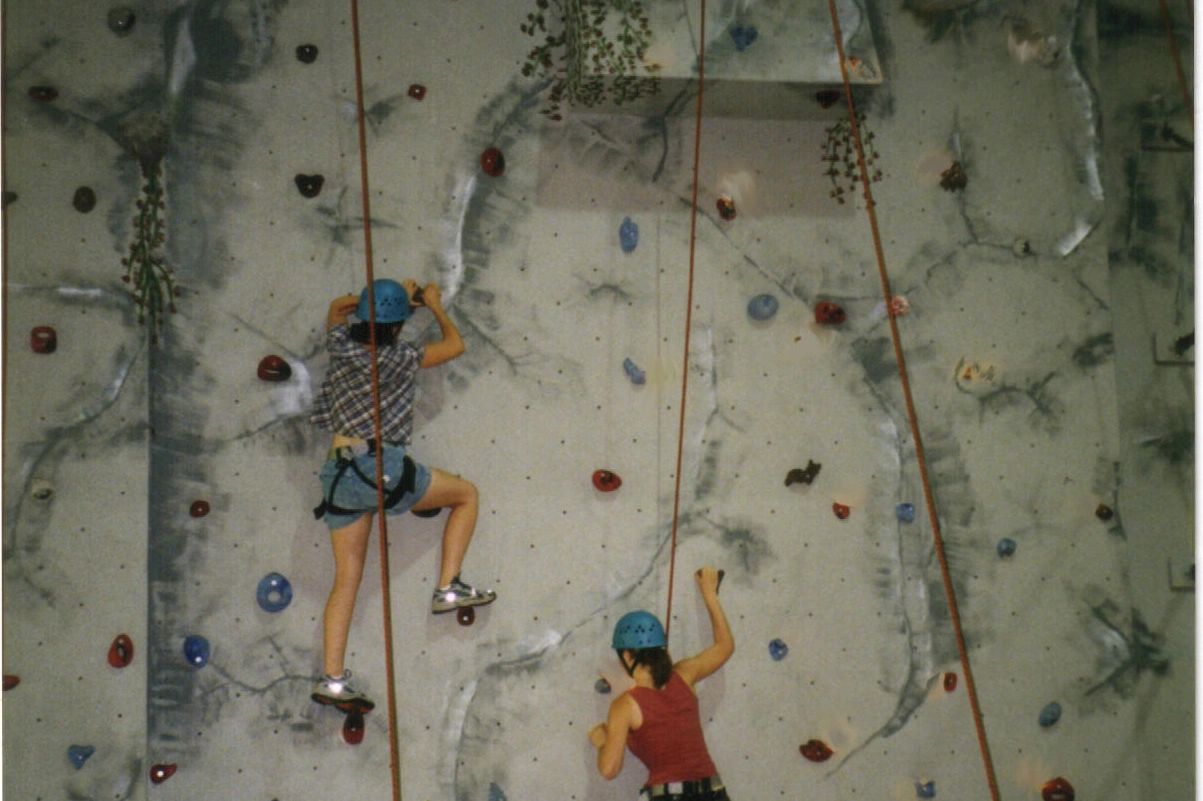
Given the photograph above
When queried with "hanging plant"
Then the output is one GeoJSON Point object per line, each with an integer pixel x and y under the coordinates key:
{"type": "Point", "coordinates": [585, 65]}
{"type": "Point", "coordinates": [839, 151]}
{"type": "Point", "coordinates": [152, 283]}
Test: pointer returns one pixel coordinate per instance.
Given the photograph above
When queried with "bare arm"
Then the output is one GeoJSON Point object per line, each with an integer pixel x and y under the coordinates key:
{"type": "Point", "coordinates": [610, 738]}
{"type": "Point", "coordinates": [452, 344]}
{"type": "Point", "coordinates": [339, 309]}
{"type": "Point", "coordinates": [701, 665]}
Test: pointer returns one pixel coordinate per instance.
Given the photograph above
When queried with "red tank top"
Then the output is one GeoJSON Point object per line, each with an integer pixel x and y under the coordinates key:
{"type": "Point", "coordinates": [670, 741]}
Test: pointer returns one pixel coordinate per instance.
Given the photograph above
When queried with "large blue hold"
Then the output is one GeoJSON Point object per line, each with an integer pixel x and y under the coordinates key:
{"type": "Point", "coordinates": [495, 792]}
{"type": "Point", "coordinates": [1006, 547]}
{"type": "Point", "coordinates": [743, 36]}
{"type": "Point", "coordinates": [78, 754]}
{"type": "Point", "coordinates": [925, 790]}
{"type": "Point", "coordinates": [762, 307]}
{"type": "Point", "coordinates": [778, 650]}
{"type": "Point", "coordinates": [633, 372]}
{"type": "Point", "coordinates": [628, 235]}
{"type": "Point", "coordinates": [1050, 714]}
{"type": "Point", "coordinates": [274, 592]}
{"type": "Point", "coordinates": [905, 512]}
{"type": "Point", "coordinates": [196, 650]}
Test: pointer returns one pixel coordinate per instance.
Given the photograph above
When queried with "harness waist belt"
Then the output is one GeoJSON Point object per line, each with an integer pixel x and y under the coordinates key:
{"type": "Point", "coordinates": [710, 785]}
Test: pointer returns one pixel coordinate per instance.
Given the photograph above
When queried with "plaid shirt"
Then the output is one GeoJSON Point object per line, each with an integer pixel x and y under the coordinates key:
{"type": "Point", "coordinates": [344, 404]}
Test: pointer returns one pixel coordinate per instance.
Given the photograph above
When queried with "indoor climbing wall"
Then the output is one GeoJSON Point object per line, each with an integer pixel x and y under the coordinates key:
{"type": "Point", "coordinates": [657, 378]}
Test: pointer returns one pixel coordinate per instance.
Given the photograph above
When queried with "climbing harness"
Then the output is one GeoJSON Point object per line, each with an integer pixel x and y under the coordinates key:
{"type": "Point", "coordinates": [345, 458]}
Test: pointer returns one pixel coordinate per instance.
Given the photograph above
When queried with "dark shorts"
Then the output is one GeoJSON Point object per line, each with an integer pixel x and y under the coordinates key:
{"type": "Point", "coordinates": [353, 493]}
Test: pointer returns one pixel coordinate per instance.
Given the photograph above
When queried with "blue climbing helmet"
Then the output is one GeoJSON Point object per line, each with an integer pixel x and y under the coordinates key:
{"type": "Point", "coordinates": [392, 302]}
{"type": "Point", "coordinates": [638, 629]}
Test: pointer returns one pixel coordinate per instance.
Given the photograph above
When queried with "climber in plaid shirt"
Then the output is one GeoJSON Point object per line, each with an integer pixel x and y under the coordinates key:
{"type": "Point", "coordinates": [349, 482]}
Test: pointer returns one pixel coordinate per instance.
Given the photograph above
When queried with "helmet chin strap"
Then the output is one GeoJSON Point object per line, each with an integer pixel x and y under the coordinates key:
{"type": "Point", "coordinates": [630, 669]}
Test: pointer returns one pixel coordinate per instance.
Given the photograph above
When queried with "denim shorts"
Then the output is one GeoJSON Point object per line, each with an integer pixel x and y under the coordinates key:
{"type": "Point", "coordinates": [354, 493]}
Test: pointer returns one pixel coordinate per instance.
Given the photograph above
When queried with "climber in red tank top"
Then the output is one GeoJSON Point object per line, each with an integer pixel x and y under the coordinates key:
{"type": "Point", "coordinates": [658, 718]}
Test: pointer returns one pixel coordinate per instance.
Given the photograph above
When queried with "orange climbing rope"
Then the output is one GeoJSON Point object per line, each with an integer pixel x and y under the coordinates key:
{"type": "Point", "coordinates": [954, 612]}
{"type": "Point", "coordinates": [693, 231]}
{"type": "Point", "coordinates": [1177, 57]}
{"type": "Point", "coordinates": [386, 600]}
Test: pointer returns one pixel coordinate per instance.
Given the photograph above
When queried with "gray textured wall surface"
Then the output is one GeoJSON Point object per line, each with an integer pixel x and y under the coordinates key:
{"type": "Point", "coordinates": [1034, 292]}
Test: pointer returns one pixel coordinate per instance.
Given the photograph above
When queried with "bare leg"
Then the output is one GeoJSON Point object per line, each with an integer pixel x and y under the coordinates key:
{"type": "Point", "coordinates": [453, 491]}
{"type": "Point", "coordinates": [350, 545]}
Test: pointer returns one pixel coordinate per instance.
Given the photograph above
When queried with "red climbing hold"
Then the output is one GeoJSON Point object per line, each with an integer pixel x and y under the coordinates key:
{"type": "Point", "coordinates": [273, 368]}
{"type": "Point", "coordinates": [353, 728]}
{"type": "Point", "coordinates": [199, 508]}
{"type": "Point", "coordinates": [841, 511]}
{"type": "Point", "coordinates": [1057, 790]}
{"type": "Point", "coordinates": [162, 772]}
{"type": "Point", "coordinates": [43, 339]}
{"type": "Point", "coordinates": [827, 313]}
{"type": "Point", "coordinates": [10, 681]}
{"type": "Point", "coordinates": [950, 682]}
{"type": "Point", "coordinates": [605, 481]}
{"type": "Point", "coordinates": [417, 91]}
{"type": "Point", "coordinates": [492, 162]}
{"type": "Point", "coordinates": [726, 208]}
{"type": "Point", "coordinates": [465, 616]}
{"type": "Point", "coordinates": [815, 750]}
{"type": "Point", "coordinates": [121, 652]}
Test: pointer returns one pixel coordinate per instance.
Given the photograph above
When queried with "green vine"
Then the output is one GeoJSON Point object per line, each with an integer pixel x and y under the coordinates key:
{"type": "Point", "coordinates": [584, 65]}
{"type": "Point", "coordinates": [153, 286]}
{"type": "Point", "coordinates": [839, 152]}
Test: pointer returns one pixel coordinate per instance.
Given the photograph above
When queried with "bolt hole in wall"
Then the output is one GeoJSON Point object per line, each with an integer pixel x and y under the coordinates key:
{"type": "Point", "coordinates": [1029, 172]}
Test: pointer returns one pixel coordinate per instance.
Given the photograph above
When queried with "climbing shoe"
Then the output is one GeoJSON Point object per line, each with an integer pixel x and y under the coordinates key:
{"type": "Point", "coordinates": [331, 691]}
{"type": "Point", "coordinates": [458, 594]}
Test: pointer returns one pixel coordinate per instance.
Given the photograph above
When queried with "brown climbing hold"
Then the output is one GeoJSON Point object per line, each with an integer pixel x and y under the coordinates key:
{"type": "Point", "coordinates": [84, 199]}
{"type": "Point", "coordinates": [275, 369]}
{"type": "Point", "coordinates": [805, 475]}
{"type": "Point", "coordinates": [199, 508]}
{"type": "Point", "coordinates": [815, 750]}
{"type": "Point", "coordinates": [417, 91]}
{"type": "Point", "coordinates": [10, 681]}
{"type": "Point", "coordinates": [492, 162]}
{"type": "Point", "coordinates": [954, 178]}
{"type": "Point", "coordinates": [43, 339]}
{"type": "Point", "coordinates": [43, 94]}
{"type": "Point", "coordinates": [828, 97]}
{"type": "Point", "coordinates": [309, 186]}
{"type": "Point", "coordinates": [465, 616]}
{"type": "Point", "coordinates": [828, 313]}
{"type": "Point", "coordinates": [1104, 512]}
{"type": "Point", "coordinates": [1057, 789]}
{"type": "Point", "coordinates": [950, 682]}
{"type": "Point", "coordinates": [841, 511]}
{"type": "Point", "coordinates": [726, 208]}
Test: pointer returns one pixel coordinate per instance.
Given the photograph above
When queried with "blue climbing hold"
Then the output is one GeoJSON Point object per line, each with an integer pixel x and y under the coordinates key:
{"type": "Point", "coordinates": [743, 36]}
{"type": "Point", "coordinates": [274, 592]}
{"type": "Point", "coordinates": [602, 686]}
{"type": "Point", "coordinates": [1050, 715]}
{"type": "Point", "coordinates": [78, 754]}
{"type": "Point", "coordinates": [925, 789]}
{"type": "Point", "coordinates": [778, 649]}
{"type": "Point", "coordinates": [1006, 547]}
{"type": "Point", "coordinates": [628, 235]}
{"type": "Point", "coordinates": [495, 792]}
{"type": "Point", "coordinates": [762, 307]}
{"type": "Point", "coordinates": [905, 512]}
{"type": "Point", "coordinates": [196, 650]}
{"type": "Point", "coordinates": [633, 372]}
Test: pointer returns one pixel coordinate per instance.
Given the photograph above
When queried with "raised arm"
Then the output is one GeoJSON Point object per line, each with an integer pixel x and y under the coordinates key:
{"type": "Point", "coordinates": [452, 344]}
{"type": "Point", "coordinates": [339, 309]}
{"type": "Point", "coordinates": [701, 665]}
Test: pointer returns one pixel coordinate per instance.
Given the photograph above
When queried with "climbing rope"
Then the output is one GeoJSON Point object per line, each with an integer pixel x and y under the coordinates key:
{"type": "Point", "coordinates": [1177, 57]}
{"type": "Point", "coordinates": [693, 232]}
{"type": "Point", "coordinates": [386, 600]}
{"type": "Point", "coordinates": [954, 612]}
